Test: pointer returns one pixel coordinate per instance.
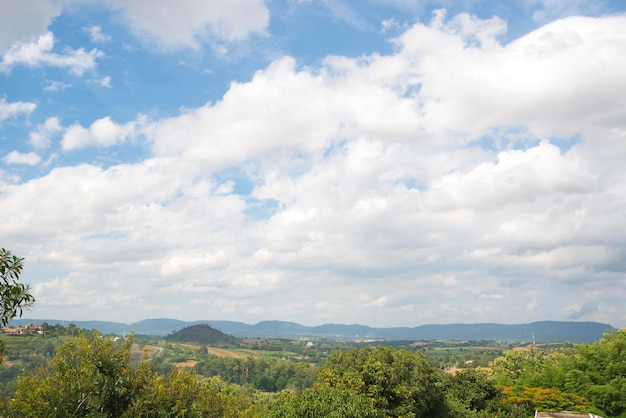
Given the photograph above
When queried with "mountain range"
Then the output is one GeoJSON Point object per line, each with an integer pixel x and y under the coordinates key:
{"type": "Point", "coordinates": [541, 331]}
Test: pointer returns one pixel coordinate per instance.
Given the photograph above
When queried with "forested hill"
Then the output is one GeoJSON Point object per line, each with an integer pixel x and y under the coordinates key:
{"type": "Point", "coordinates": [543, 330]}
{"type": "Point", "coordinates": [202, 334]}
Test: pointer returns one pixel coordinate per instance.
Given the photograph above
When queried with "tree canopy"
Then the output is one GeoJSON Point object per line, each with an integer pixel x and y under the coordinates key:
{"type": "Point", "coordinates": [15, 296]}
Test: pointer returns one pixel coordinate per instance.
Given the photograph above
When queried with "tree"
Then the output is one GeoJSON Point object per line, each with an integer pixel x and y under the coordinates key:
{"type": "Point", "coordinates": [474, 389]}
{"type": "Point", "coordinates": [94, 376]}
{"type": "Point", "coordinates": [594, 372]}
{"type": "Point", "coordinates": [399, 382]}
{"type": "Point", "coordinates": [15, 295]}
{"type": "Point", "coordinates": [87, 377]}
{"type": "Point", "coordinates": [546, 399]}
{"type": "Point", "coordinates": [323, 402]}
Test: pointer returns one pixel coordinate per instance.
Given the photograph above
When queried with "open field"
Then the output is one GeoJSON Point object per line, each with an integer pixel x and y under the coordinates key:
{"type": "Point", "coordinates": [188, 363]}
{"type": "Point", "coordinates": [233, 353]}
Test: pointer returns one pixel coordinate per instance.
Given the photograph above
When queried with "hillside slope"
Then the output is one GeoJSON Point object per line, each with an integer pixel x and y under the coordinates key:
{"type": "Point", "coordinates": [202, 334]}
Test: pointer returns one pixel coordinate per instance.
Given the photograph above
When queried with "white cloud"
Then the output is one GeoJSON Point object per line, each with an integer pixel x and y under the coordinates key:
{"type": "Point", "coordinates": [16, 157]}
{"type": "Point", "coordinates": [427, 181]}
{"type": "Point", "coordinates": [11, 109]}
{"type": "Point", "coordinates": [480, 88]}
{"type": "Point", "coordinates": [39, 53]}
{"type": "Point", "coordinates": [184, 23]}
{"type": "Point", "coordinates": [27, 20]}
{"type": "Point", "coordinates": [188, 22]}
{"type": "Point", "coordinates": [518, 176]}
{"type": "Point", "coordinates": [57, 86]}
{"type": "Point", "coordinates": [102, 133]}
{"type": "Point", "coordinates": [360, 164]}
{"type": "Point", "coordinates": [42, 137]}
{"type": "Point", "coordinates": [103, 82]}
{"type": "Point", "coordinates": [388, 24]}
{"type": "Point", "coordinates": [96, 34]}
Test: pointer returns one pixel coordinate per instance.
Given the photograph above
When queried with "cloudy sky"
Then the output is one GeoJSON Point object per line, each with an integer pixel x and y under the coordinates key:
{"type": "Point", "coordinates": [382, 162]}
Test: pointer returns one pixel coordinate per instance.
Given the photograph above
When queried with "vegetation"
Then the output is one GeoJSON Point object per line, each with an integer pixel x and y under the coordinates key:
{"type": "Point", "coordinates": [71, 372]}
{"type": "Point", "coordinates": [94, 376]}
{"type": "Point", "coordinates": [202, 334]}
{"type": "Point", "coordinates": [590, 374]}
{"type": "Point", "coordinates": [266, 374]}
{"type": "Point", "coordinates": [14, 296]}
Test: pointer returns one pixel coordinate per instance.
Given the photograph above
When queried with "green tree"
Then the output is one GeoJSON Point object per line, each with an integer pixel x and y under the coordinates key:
{"type": "Point", "coordinates": [519, 367]}
{"type": "Point", "coordinates": [88, 377]}
{"type": "Point", "coordinates": [473, 389]}
{"type": "Point", "coordinates": [399, 382]}
{"type": "Point", "coordinates": [94, 376]}
{"type": "Point", "coordinates": [14, 296]}
{"type": "Point", "coordinates": [324, 402]}
{"type": "Point", "coordinates": [594, 372]}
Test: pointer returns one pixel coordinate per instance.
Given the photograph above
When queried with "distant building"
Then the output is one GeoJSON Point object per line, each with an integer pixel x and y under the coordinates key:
{"type": "Point", "coordinates": [27, 329]}
{"type": "Point", "coordinates": [34, 328]}
{"type": "Point", "coordinates": [309, 344]}
{"type": "Point", "coordinates": [13, 331]}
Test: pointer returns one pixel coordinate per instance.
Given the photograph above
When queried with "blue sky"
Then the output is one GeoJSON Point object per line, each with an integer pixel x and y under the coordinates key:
{"type": "Point", "coordinates": [384, 162]}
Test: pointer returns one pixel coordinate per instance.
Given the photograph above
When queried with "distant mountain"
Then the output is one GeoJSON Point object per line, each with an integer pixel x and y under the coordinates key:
{"type": "Point", "coordinates": [158, 326]}
{"type": "Point", "coordinates": [543, 330]}
{"type": "Point", "coordinates": [202, 334]}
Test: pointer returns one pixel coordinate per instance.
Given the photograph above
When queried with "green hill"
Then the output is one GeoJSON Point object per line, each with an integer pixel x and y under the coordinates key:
{"type": "Point", "coordinates": [202, 334]}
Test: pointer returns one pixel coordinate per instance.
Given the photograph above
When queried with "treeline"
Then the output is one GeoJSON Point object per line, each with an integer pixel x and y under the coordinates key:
{"type": "Point", "coordinates": [94, 376]}
{"type": "Point", "coordinates": [264, 374]}
{"type": "Point", "coordinates": [26, 352]}
{"type": "Point", "coordinates": [593, 373]}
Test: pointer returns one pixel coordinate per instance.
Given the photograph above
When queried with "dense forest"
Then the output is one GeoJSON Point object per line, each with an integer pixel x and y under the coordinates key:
{"type": "Point", "coordinates": [72, 372]}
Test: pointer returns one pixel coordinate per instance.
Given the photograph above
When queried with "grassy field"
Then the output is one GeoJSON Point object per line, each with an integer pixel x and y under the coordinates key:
{"type": "Point", "coordinates": [234, 353]}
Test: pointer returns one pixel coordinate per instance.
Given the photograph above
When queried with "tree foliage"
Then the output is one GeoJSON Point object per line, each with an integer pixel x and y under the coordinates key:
{"type": "Point", "coordinates": [474, 389]}
{"type": "Point", "coordinates": [15, 296]}
{"type": "Point", "coordinates": [87, 377]}
{"type": "Point", "coordinates": [269, 375]}
{"type": "Point", "coordinates": [399, 382]}
{"type": "Point", "coordinates": [588, 373]}
{"type": "Point", "coordinates": [93, 376]}
{"type": "Point", "coordinates": [325, 402]}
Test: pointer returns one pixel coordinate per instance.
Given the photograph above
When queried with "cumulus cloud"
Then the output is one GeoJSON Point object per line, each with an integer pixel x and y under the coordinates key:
{"type": "Point", "coordinates": [40, 53]}
{"type": "Point", "coordinates": [102, 133]}
{"type": "Point", "coordinates": [361, 166]}
{"type": "Point", "coordinates": [185, 23]}
{"type": "Point", "coordinates": [16, 157]}
{"type": "Point", "coordinates": [188, 22]}
{"type": "Point", "coordinates": [11, 109]}
{"type": "Point", "coordinates": [432, 179]}
{"type": "Point", "coordinates": [27, 20]}
{"type": "Point", "coordinates": [41, 138]}
{"type": "Point", "coordinates": [518, 84]}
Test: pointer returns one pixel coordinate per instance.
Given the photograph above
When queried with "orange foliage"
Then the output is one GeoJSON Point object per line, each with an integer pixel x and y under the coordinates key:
{"type": "Point", "coordinates": [544, 398]}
